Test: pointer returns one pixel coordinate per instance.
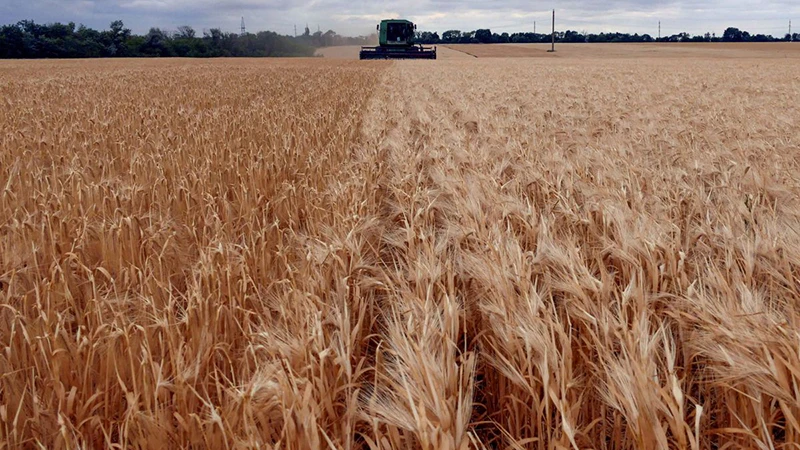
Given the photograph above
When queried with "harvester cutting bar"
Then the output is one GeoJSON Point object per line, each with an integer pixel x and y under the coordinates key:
{"type": "Point", "coordinates": [412, 52]}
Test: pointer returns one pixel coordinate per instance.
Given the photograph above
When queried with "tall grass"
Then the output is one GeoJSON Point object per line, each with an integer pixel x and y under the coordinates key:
{"type": "Point", "coordinates": [310, 254]}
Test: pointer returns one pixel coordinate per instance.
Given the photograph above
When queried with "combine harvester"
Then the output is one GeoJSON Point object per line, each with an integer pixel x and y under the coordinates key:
{"type": "Point", "coordinates": [396, 41]}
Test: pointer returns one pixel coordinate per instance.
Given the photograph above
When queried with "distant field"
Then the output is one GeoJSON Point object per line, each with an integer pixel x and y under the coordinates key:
{"type": "Point", "coordinates": [593, 249]}
{"type": "Point", "coordinates": [613, 51]}
{"type": "Point", "coordinates": [638, 50]}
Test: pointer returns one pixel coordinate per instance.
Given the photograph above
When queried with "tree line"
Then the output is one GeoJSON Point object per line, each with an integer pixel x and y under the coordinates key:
{"type": "Point", "coordinates": [27, 39]}
{"type": "Point", "coordinates": [486, 36]}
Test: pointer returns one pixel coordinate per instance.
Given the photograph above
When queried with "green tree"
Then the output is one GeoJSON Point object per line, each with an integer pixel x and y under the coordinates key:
{"type": "Point", "coordinates": [156, 43]}
{"type": "Point", "coordinates": [484, 36]}
{"type": "Point", "coordinates": [116, 38]}
{"type": "Point", "coordinates": [185, 32]}
{"type": "Point", "coordinates": [451, 36]}
{"type": "Point", "coordinates": [732, 34]}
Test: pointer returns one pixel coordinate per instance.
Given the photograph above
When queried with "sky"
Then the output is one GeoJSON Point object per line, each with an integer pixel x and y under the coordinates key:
{"type": "Point", "coordinates": [359, 17]}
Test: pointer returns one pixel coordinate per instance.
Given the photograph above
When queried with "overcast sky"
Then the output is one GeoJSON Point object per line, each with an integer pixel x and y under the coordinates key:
{"type": "Point", "coordinates": [357, 17]}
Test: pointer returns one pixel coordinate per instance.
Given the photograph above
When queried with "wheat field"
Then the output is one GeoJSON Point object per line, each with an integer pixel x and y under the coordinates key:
{"type": "Point", "coordinates": [534, 253]}
{"type": "Point", "coordinates": [747, 51]}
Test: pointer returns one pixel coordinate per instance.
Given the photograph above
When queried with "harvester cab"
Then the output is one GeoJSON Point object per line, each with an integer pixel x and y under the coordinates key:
{"type": "Point", "coordinates": [396, 41]}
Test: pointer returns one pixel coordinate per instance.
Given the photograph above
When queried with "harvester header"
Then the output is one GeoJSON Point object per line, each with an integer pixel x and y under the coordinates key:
{"type": "Point", "coordinates": [396, 41]}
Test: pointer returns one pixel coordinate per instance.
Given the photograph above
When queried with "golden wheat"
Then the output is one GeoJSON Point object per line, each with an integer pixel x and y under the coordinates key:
{"type": "Point", "coordinates": [547, 253]}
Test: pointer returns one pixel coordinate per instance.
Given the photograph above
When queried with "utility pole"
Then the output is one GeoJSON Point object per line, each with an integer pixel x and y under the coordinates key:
{"type": "Point", "coordinates": [295, 30]}
{"type": "Point", "coordinates": [553, 48]}
{"type": "Point", "coordinates": [243, 28]}
{"type": "Point", "coordinates": [534, 28]}
{"type": "Point", "coordinates": [659, 30]}
{"type": "Point", "coordinates": [791, 38]}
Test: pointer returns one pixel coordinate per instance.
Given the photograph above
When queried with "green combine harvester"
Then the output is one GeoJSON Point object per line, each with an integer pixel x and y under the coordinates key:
{"type": "Point", "coordinates": [396, 41]}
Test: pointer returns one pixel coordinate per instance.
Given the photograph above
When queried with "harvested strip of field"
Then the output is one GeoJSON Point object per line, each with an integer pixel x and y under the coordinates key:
{"type": "Point", "coordinates": [501, 50]}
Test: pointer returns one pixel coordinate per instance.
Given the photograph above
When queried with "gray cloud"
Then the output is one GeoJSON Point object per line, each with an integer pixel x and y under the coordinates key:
{"type": "Point", "coordinates": [355, 17]}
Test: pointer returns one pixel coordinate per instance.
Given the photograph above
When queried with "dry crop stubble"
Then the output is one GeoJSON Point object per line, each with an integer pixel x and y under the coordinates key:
{"type": "Point", "coordinates": [306, 254]}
